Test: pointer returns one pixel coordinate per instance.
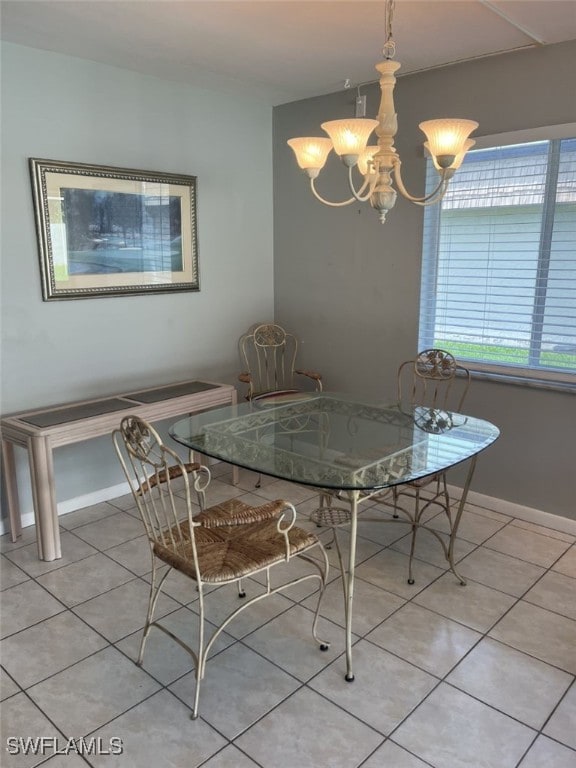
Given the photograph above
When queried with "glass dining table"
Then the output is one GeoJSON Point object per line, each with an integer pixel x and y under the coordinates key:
{"type": "Point", "coordinates": [351, 451]}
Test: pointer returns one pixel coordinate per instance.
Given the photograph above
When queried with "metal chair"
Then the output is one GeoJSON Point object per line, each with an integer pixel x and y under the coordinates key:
{"type": "Point", "coordinates": [268, 353]}
{"type": "Point", "coordinates": [436, 381]}
{"type": "Point", "coordinates": [220, 545]}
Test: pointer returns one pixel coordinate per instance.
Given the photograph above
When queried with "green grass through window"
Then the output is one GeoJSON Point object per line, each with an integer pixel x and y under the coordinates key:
{"type": "Point", "coordinates": [494, 353]}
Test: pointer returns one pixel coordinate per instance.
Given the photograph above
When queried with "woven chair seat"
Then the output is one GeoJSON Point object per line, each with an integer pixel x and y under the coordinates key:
{"type": "Point", "coordinates": [236, 512]}
{"type": "Point", "coordinates": [272, 393]}
{"type": "Point", "coordinates": [229, 552]}
{"type": "Point", "coordinates": [422, 482]}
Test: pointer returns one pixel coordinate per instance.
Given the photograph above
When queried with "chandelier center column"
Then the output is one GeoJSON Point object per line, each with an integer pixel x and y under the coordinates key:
{"type": "Point", "coordinates": [387, 120]}
{"type": "Point", "coordinates": [383, 197]}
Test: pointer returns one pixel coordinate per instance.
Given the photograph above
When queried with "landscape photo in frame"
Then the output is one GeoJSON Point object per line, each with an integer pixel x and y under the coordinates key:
{"type": "Point", "coordinates": [106, 231]}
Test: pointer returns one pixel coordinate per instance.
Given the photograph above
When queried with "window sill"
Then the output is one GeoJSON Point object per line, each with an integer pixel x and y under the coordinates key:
{"type": "Point", "coordinates": [523, 381]}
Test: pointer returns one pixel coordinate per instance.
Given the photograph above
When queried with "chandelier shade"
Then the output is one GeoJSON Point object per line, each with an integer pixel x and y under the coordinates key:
{"type": "Point", "coordinates": [446, 138]}
{"type": "Point", "coordinates": [365, 164]}
{"type": "Point", "coordinates": [311, 152]}
{"type": "Point", "coordinates": [349, 137]}
{"type": "Point", "coordinates": [447, 141]}
{"type": "Point", "coordinates": [457, 162]}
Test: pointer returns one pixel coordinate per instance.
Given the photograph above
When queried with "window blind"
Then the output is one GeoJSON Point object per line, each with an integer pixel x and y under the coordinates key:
{"type": "Point", "coordinates": [499, 262]}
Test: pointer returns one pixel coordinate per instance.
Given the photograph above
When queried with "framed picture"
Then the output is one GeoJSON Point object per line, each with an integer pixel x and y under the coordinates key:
{"type": "Point", "coordinates": [106, 231]}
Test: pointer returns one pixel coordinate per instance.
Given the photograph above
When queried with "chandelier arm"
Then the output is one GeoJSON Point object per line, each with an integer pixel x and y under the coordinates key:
{"type": "Point", "coordinates": [369, 182]}
{"type": "Point", "coordinates": [441, 191]}
{"type": "Point", "coordinates": [426, 199]}
{"type": "Point", "coordinates": [327, 202]}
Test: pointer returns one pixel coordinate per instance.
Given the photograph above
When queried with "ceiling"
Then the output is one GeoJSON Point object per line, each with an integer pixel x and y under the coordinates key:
{"type": "Point", "coordinates": [281, 50]}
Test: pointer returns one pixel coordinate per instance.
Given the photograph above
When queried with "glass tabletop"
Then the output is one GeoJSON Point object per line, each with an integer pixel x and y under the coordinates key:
{"type": "Point", "coordinates": [332, 441]}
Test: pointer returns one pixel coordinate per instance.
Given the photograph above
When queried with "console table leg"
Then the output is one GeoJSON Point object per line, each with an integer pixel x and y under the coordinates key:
{"type": "Point", "coordinates": [45, 510]}
{"type": "Point", "coordinates": [11, 488]}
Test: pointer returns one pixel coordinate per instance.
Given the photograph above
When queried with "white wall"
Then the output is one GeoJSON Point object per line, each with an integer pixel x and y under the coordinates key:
{"type": "Point", "coordinates": [62, 108]}
{"type": "Point", "coordinates": [349, 286]}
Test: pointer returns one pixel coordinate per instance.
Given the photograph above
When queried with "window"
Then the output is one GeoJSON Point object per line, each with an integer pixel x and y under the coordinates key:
{"type": "Point", "coordinates": [499, 262]}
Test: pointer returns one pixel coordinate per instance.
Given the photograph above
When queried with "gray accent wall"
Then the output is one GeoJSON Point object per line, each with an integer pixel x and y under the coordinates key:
{"type": "Point", "coordinates": [349, 286]}
{"type": "Point", "coordinates": [63, 108]}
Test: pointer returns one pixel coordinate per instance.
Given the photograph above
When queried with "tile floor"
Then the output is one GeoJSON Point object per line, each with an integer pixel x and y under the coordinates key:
{"type": "Point", "coordinates": [447, 676]}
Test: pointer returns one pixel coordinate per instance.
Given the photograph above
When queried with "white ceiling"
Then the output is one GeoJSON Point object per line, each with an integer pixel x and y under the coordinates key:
{"type": "Point", "coordinates": [281, 50]}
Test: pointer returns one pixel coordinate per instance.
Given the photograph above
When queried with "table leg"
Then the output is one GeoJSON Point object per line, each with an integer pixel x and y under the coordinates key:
{"type": "Point", "coordinates": [45, 510]}
{"type": "Point", "coordinates": [454, 528]}
{"type": "Point", "coordinates": [348, 580]}
{"type": "Point", "coordinates": [11, 488]}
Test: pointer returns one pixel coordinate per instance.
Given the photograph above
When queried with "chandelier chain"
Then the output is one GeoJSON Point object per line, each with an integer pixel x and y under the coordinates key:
{"type": "Point", "coordinates": [389, 49]}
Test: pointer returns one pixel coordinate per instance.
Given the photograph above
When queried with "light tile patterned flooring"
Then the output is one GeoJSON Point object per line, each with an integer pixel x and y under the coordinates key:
{"type": "Point", "coordinates": [447, 676]}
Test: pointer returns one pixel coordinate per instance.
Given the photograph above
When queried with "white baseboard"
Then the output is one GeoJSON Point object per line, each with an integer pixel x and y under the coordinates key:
{"type": "Point", "coordinates": [528, 514]}
{"type": "Point", "coordinates": [71, 505]}
{"type": "Point", "coordinates": [88, 499]}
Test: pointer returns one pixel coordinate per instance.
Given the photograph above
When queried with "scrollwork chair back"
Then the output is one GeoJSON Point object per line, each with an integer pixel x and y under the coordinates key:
{"type": "Point", "coordinates": [433, 379]}
{"type": "Point", "coordinates": [268, 354]}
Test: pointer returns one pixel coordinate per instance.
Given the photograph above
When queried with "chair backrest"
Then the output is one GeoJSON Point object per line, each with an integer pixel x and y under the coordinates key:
{"type": "Point", "coordinates": [434, 379]}
{"type": "Point", "coordinates": [268, 353]}
{"type": "Point", "coordinates": [152, 469]}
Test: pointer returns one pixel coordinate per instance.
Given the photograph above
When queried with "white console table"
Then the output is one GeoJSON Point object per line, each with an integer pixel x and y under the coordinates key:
{"type": "Point", "coordinates": [42, 430]}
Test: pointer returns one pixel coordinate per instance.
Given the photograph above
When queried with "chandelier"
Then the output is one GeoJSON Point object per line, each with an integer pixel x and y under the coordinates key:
{"type": "Point", "coordinates": [447, 143]}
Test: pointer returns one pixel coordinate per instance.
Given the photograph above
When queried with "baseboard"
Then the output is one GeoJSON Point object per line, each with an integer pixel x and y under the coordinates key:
{"type": "Point", "coordinates": [71, 505]}
{"type": "Point", "coordinates": [528, 514]}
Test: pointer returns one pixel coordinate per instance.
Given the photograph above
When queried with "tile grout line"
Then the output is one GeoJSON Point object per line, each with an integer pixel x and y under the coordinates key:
{"type": "Point", "coordinates": [299, 603]}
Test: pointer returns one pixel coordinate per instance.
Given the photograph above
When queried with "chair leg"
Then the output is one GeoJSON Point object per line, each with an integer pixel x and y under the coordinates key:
{"type": "Point", "coordinates": [395, 501]}
{"type": "Point", "coordinates": [241, 590]}
{"type": "Point", "coordinates": [412, 547]}
{"type": "Point", "coordinates": [152, 600]}
{"type": "Point", "coordinates": [446, 499]}
{"type": "Point", "coordinates": [324, 644]}
{"type": "Point", "coordinates": [414, 532]}
{"type": "Point", "coordinates": [332, 540]}
{"type": "Point", "coordinates": [200, 659]}
{"type": "Point", "coordinates": [322, 504]}
{"type": "Point", "coordinates": [205, 646]}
